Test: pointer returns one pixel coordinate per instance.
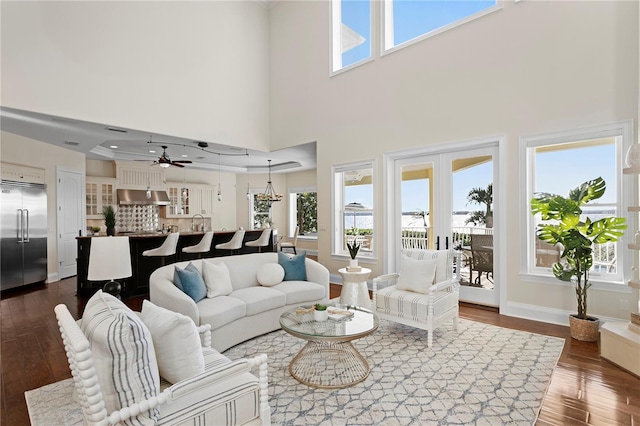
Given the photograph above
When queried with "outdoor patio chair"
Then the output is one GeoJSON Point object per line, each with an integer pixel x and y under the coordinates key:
{"type": "Point", "coordinates": [481, 257]}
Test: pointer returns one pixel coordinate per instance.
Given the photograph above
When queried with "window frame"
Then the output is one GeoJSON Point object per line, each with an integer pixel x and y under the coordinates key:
{"type": "Point", "coordinates": [252, 212]}
{"type": "Point", "coordinates": [387, 25]}
{"type": "Point", "coordinates": [622, 133]}
{"type": "Point", "coordinates": [338, 252]}
{"type": "Point", "coordinates": [335, 39]}
{"type": "Point", "coordinates": [292, 210]}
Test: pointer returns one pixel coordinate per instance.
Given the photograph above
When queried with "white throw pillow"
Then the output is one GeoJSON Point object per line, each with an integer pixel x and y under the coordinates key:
{"type": "Point", "coordinates": [216, 278]}
{"type": "Point", "coordinates": [416, 275]}
{"type": "Point", "coordinates": [123, 355]}
{"type": "Point", "coordinates": [176, 342]}
{"type": "Point", "coordinates": [270, 274]}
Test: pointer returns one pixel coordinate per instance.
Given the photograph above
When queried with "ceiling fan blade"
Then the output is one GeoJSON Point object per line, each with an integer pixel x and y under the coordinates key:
{"type": "Point", "coordinates": [183, 161]}
{"type": "Point", "coordinates": [176, 164]}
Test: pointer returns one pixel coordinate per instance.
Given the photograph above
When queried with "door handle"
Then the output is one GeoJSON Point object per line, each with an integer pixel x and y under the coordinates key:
{"type": "Point", "coordinates": [19, 233]}
{"type": "Point", "coordinates": [438, 242]}
{"type": "Point", "coordinates": [26, 240]}
{"type": "Point", "coordinates": [446, 243]}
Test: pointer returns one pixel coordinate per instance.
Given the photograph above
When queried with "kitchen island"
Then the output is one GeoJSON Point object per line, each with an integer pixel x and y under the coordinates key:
{"type": "Point", "coordinates": [142, 266]}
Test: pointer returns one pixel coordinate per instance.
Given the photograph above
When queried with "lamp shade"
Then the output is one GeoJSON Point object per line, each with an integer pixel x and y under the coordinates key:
{"type": "Point", "coordinates": [109, 259]}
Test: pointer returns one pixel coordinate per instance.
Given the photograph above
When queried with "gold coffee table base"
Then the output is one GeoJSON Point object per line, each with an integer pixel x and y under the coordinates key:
{"type": "Point", "coordinates": [329, 365]}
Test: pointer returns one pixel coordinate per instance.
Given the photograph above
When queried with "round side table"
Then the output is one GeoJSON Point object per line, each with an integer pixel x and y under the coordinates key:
{"type": "Point", "coordinates": [354, 288]}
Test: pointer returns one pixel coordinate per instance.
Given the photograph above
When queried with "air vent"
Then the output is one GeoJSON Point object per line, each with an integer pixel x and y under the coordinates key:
{"type": "Point", "coordinates": [115, 129]}
{"type": "Point", "coordinates": [71, 143]}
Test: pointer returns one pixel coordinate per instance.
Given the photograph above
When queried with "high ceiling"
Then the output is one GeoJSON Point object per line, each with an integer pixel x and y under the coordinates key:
{"type": "Point", "coordinates": [100, 141]}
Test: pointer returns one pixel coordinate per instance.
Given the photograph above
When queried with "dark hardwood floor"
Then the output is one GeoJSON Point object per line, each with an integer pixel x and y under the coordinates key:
{"type": "Point", "coordinates": [584, 389]}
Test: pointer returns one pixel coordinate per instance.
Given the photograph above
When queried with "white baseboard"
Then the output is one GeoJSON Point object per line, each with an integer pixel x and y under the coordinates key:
{"type": "Point", "coordinates": [52, 277]}
{"type": "Point", "coordinates": [544, 314]}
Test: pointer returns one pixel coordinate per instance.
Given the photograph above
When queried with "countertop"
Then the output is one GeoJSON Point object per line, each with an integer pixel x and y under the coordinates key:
{"type": "Point", "coordinates": [159, 234]}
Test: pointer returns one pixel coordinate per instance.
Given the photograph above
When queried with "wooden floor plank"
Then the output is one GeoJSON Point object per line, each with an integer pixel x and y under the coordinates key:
{"type": "Point", "coordinates": [584, 389]}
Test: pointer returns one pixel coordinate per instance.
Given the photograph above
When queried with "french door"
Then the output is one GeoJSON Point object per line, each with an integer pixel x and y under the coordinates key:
{"type": "Point", "coordinates": [447, 200]}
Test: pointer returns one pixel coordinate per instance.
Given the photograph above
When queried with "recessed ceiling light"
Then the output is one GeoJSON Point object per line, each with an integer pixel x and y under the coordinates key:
{"type": "Point", "coordinates": [184, 155]}
{"type": "Point", "coordinates": [113, 146]}
{"type": "Point", "coordinates": [153, 151]}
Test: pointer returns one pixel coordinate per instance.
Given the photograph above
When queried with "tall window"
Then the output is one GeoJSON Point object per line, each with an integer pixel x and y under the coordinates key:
{"type": "Point", "coordinates": [303, 212]}
{"type": "Point", "coordinates": [557, 164]}
{"type": "Point", "coordinates": [351, 32]}
{"type": "Point", "coordinates": [353, 208]}
{"type": "Point", "coordinates": [259, 210]}
{"type": "Point", "coordinates": [413, 20]}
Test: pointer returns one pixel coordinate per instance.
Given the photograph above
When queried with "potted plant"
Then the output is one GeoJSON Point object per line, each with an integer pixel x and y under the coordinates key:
{"type": "Point", "coordinates": [320, 312]}
{"type": "Point", "coordinates": [95, 229]}
{"type": "Point", "coordinates": [353, 247]}
{"type": "Point", "coordinates": [563, 224]}
{"type": "Point", "coordinates": [109, 219]}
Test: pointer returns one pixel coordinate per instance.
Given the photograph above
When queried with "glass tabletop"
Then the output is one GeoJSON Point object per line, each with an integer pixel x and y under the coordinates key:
{"type": "Point", "coordinates": [345, 322]}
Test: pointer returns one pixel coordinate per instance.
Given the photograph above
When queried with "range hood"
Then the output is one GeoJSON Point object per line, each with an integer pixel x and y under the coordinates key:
{"type": "Point", "coordinates": [139, 197]}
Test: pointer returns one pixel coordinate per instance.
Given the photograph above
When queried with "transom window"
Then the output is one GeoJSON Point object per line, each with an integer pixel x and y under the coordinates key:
{"type": "Point", "coordinates": [351, 32]}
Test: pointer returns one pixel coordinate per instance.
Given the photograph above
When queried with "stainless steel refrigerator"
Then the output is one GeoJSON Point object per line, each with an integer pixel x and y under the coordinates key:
{"type": "Point", "coordinates": [23, 234]}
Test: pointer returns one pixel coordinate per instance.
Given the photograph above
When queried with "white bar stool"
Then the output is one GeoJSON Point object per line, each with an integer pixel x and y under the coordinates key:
{"type": "Point", "coordinates": [234, 244]}
{"type": "Point", "coordinates": [168, 248]}
{"type": "Point", "coordinates": [202, 247]}
{"type": "Point", "coordinates": [262, 241]}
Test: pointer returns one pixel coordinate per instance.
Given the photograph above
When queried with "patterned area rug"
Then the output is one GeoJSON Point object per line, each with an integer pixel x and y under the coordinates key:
{"type": "Point", "coordinates": [482, 375]}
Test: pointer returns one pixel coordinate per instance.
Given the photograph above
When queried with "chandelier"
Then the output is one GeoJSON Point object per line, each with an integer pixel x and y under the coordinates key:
{"type": "Point", "coordinates": [269, 195]}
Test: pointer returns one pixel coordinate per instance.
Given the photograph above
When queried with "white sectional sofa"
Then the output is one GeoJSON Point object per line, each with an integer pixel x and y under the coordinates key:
{"type": "Point", "coordinates": [251, 309]}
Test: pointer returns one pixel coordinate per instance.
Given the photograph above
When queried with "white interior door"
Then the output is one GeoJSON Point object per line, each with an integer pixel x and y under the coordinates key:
{"type": "Point", "coordinates": [438, 204]}
{"type": "Point", "coordinates": [71, 219]}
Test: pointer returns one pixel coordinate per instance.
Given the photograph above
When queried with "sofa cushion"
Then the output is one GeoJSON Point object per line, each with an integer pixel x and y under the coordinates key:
{"type": "Point", "coordinates": [221, 310]}
{"type": "Point", "coordinates": [192, 284]}
{"type": "Point", "coordinates": [300, 291]}
{"type": "Point", "coordinates": [216, 278]}
{"type": "Point", "coordinates": [123, 355]}
{"type": "Point", "coordinates": [295, 268]}
{"type": "Point", "coordinates": [176, 278]}
{"type": "Point", "coordinates": [416, 275]}
{"type": "Point", "coordinates": [260, 299]}
{"type": "Point", "coordinates": [270, 274]}
{"type": "Point", "coordinates": [176, 342]}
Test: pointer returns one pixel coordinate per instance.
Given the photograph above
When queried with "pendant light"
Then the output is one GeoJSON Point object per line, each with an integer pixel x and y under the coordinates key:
{"type": "Point", "coordinates": [270, 195]}
{"type": "Point", "coordinates": [248, 175]}
{"type": "Point", "coordinates": [219, 185]}
{"type": "Point", "coordinates": [148, 193]}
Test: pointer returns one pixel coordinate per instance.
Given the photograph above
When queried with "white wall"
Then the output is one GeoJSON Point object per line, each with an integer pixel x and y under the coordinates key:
{"type": "Point", "coordinates": [19, 150]}
{"type": "Point", "coordinates": [530, 68]}
{"type": "Point", "coordinates": [190, 69]}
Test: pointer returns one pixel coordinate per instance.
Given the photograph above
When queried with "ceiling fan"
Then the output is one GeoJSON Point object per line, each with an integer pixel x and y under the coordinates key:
{"type": "Point", "coordinates": [165, 161]}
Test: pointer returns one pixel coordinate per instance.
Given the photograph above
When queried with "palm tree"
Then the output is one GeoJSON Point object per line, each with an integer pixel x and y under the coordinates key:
{"type": "Point", "coordinates": [481, 196]}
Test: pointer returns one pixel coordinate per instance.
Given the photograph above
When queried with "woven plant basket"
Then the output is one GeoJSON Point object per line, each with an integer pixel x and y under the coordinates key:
{"type": "Point", "coordinates": [586, 330]}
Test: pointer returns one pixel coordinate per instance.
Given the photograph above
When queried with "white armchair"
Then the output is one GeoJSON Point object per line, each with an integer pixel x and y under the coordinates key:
{"type": "Point", "coordinates": [206, 398]}
{"type": "Point", "coordinates": [425, 310]}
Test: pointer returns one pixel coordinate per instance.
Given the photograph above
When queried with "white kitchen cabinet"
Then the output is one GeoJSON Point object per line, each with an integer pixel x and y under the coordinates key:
{"type": "Point", "coordinates": [203, 198]}
{"type": "Point", "coordinates": [99, 192]}
{"type": "Point", "coordinates": [179, 200]}
{"type": "Point", "coordinates": [133, 176]}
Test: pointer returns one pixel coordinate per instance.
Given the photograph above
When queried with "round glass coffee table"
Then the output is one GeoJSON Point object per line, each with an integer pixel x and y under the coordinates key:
{"type": "Point", "coordinates": [329, 360]}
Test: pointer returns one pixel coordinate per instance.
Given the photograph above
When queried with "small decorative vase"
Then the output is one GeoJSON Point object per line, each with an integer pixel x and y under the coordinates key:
{"type": "Point", "coordinates": [111, 230]}
{"type": "Point", "coordinates": [353, 263]}
{"type": "Point", "coordinates": [320, 315]}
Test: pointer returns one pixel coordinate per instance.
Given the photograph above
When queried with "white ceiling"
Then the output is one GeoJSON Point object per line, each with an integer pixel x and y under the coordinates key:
{"type": "Point", "coordinates": [95, 140]}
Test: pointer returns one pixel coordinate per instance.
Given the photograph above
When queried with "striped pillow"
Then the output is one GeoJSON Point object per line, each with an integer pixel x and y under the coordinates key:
{"type": "Point", "coordinates": [123, 355]}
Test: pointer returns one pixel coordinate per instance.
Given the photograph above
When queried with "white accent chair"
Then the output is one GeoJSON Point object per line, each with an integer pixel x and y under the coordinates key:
{"type": "Point", "coordinates": [206, 398]}
{"type": "Point", "coordinates": [168, 248]}
{"type": "Point", "coordinates": [289, 242]}
{"type": "Point", "coordinates": [262, 241]}
{"type": "Point", "coordinates": [234, 244]}
{"type": "Point", "coordinates": [202, 247]}
{"type": "Point", "coordinates": [425, 311]}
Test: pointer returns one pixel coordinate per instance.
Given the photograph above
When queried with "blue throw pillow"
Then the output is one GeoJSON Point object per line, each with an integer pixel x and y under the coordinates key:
{"type": "Point", "coordinates": [294, 267]}
{"type": "Point", "coordinates": [192, 284]}
{"type": "Point", "coordinates": [176, 279]}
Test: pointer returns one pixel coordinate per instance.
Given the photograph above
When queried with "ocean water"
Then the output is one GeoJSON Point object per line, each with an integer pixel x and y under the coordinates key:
{"type": "Point", "coordinates": [365, 220]}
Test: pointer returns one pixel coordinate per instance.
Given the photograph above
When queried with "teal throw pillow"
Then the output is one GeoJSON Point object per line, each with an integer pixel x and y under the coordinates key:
{"type": "Point", "coordinates": [294, 267]}
{"type": "Point", "coordinates": [176, 279]}
{"type": "Point", "coordinates": [192, 284]}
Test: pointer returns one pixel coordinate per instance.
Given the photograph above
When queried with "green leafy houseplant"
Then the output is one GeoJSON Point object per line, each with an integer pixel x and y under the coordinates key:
{"type": "Point", "coordinates": [563, 225]}
{"type": "Point", "coordinates": [353, 247]}
{"type": "Point", "coordinates": [109, 219]}
{"type": "Point", "coordinates": [320, 307]}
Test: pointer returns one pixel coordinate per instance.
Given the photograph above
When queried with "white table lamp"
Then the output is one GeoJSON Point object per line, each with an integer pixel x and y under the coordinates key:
{"type": "Point", "coordinates": [109, 260]}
